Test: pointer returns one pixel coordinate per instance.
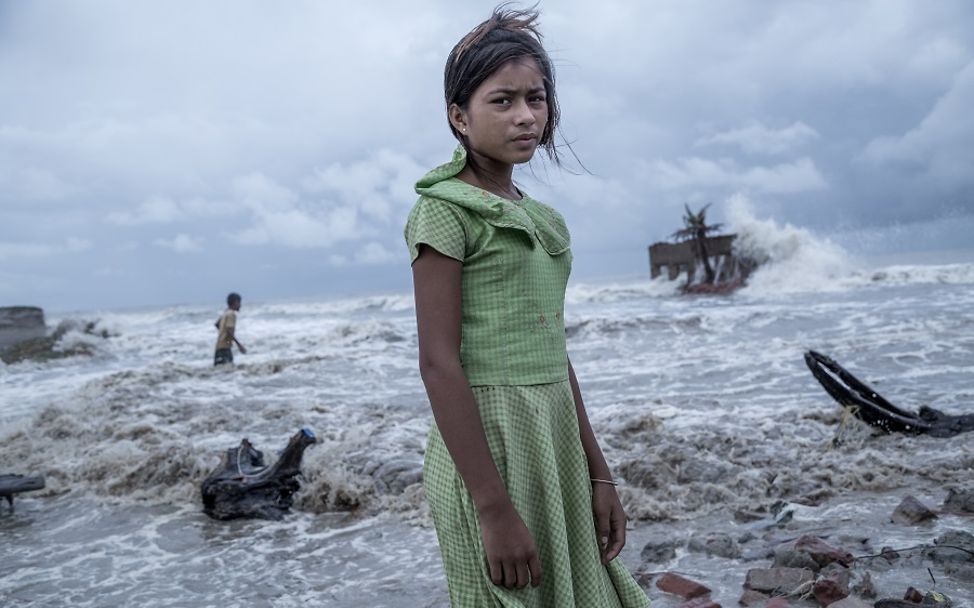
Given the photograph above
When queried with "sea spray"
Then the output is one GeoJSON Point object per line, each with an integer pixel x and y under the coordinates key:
{"type": "Point", "coordinates": [790, 259]}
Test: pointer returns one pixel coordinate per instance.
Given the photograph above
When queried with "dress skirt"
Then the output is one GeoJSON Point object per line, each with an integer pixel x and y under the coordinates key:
{"type": "Point", "coordinates": [533, 436]}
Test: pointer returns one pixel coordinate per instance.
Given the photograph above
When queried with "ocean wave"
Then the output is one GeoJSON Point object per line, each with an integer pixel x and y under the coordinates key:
{"type": "Point", "coordinates": [154, 435]}
{"type": "Point", "coordinates": [592, 293]}
{"type": "Point", "coordinates": [609, 326]}
{"type": "Point", "coordinates": [795, 260]}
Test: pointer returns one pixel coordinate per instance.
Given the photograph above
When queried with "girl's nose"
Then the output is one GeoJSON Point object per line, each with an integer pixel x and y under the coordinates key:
{"type": "Point", "coordinates": [524, 115]}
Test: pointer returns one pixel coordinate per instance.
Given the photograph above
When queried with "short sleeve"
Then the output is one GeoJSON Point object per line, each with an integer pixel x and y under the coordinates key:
{"type": "Point", "coordinates": [437, 224]}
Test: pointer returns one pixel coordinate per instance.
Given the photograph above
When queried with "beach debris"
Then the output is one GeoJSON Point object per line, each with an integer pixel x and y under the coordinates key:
{"type": "Point", "coordinates": [699, 602]}
{"type": "Point", "coordinates": [719, 544]}
{"type": "Point", "coordinates": [889, 554]}
{"type": "Point", "coordinates": [916, 599]}
{"type": "Point", "coordinates": [913, 595]}
{"type": "Point", "coordinates": [750, 597]}
{"type": "Point", "coordinates": [823, 553]}
{"type": "Point", "coordinates": [243, 486]}
{"type": "Point", "coordinates": [15, 484]}
{"type": "Point", "coordinates": [832, 584]}
{"type": "Point", "coordinates": [870, 407]}
{"type": "Point", "coordinates": [786, 556]}
{"type": "Point", "coordinates": [660, 552]}
{"type": "Point", "coordinates": [865, 588]}
{"type": "Point", "coordinates": [911, 512]}
{"type": "Point", "coordinates": [851, 602]}
{"type": "Point", "coordinates": [678, 585]}
{"type": "Point", "coordinates": [711, 264]}
{"type": "Point", "coordinates": [959, 500]}
{"type": "Point", "coordinates": [952, 548]}
{"type": "Point", "coordinates": [779, 581]}
{"type": "Point", "coordinates": [24, 336]}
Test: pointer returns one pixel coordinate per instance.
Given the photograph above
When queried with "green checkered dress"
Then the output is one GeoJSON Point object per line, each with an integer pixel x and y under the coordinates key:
{"type": "Point", "coordinates": [516, 261]}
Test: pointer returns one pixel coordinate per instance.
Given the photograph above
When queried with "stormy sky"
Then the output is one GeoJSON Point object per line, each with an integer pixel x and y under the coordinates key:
{"type": "Point", "coordinates": [165, 152]}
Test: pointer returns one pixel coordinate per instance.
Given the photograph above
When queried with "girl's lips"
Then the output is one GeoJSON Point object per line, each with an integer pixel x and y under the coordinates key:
{"type": "Point", "coordinates": [526, 140]}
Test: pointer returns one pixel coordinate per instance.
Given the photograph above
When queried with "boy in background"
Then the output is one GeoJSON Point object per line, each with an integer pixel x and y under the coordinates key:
{"type": "Point", "coordinates": [226, 325]}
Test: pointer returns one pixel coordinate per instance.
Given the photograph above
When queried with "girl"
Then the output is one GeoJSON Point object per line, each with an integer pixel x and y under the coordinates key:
{"type": "Point", "coordinates": [525, 508]}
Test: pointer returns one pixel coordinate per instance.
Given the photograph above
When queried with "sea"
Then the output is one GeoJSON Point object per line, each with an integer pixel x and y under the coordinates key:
{"type": "Point", "coordinates": [703, 405]}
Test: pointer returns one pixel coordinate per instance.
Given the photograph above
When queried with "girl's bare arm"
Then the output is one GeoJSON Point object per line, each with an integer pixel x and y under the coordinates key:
{"type": "Point", "coordinates": [511, 553]}
{"type": "Point", "coordinates": [610, 518]}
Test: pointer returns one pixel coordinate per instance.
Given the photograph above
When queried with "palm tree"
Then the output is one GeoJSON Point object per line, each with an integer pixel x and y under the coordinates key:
{"type": "Point", "coordinates": [695, 227]}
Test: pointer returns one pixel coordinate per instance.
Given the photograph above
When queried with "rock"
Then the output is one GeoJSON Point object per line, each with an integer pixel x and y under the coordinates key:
{"type": "Point", "coordinates": [911, 512]}
{"type": "Point", "coordinates": [660, 552]}
{"type": "Point", "coordinates": [700, 602]}
{"type": "Point", "coordinates": [851, 602]}
{"type": "Point", "coordinates": [864, 588]}
{"type": "Point", "coordinates": [758, 553]}
{"type": "Point", "coordinates": [746, 537]}
{"type": "Point", "coordinates": [19, 323]}
{"type": "Point", "coordinates": [891, 603]}
{"type": "Point", "coordinates": [721, 545]}
{"type": "Point", "coordinates": [832, 585]}
{"type": "Point", "coordinates": [889, 554]}
{"type": "Point", "coordinates": [396, 475]}
{"type": "Point", "coordinates": [913, 595]}
{"type": "Point", "coordinates": [959, 501]}
{"type": "Point", "coordinates": [644, 579]}
{"type": "Point", "coordinates": [789, 557]}
{"type": "Point", "coordinates": [744, 516]}
{"type": "Point", "coordinates": [823, 553]}
{"type": "Point", "coordinates": [678, 585]}
{"type": "Point", "coordinates": [750, 597]}
{"type": "Point", "coordinates": [952, 546]}
{"type": "Point", "coordinates": [960, 572]}
{"type": "Point", "coordinates": [777, 602]}
{"type": "Point", "coordinates": [779, 581]}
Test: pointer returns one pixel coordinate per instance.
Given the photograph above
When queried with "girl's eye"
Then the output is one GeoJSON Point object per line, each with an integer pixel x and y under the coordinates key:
{"type": "Point", "coordinates": [537, 99]}
{"type": "Point", "coordinates": [502, 101]}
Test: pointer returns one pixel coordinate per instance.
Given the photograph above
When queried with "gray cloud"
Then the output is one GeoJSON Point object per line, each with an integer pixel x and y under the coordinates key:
{"type": "Point", "coordinates": [757, 138]}
{"type": "Point", "coordinates": [257, 138]}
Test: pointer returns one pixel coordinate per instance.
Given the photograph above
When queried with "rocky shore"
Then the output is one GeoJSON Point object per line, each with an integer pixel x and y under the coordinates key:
{"type": "Point", "coordinates": [799, 567]}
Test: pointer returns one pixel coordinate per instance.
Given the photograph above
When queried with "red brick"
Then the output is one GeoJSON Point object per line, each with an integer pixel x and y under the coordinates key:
{"type": "Point", "coordinates": [683, 587]}
{"type": "Point", "coordinates": [703, 601]}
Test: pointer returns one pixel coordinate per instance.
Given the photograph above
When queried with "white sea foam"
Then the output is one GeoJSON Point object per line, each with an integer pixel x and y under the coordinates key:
{"type": "Point", "coordinates": [792, 259]}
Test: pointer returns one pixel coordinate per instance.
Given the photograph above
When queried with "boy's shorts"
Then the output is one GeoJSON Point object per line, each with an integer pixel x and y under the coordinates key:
{"type": "Point", "coordinates": [223, 356]}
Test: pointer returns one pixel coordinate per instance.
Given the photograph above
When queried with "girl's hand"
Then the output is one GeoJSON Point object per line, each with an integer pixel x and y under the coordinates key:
{"type": "Point", "coordinates": [610, 520]}
{"type": "Point", "coordinates": [511, 554]}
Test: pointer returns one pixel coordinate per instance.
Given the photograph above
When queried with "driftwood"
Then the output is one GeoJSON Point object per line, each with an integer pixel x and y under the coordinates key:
{"type": "Point", "coordinates": [243, 486]}
{"type": "Point", "coordinates": [870, 407]}
{"type": "Point", "coordinates": [15, 484]}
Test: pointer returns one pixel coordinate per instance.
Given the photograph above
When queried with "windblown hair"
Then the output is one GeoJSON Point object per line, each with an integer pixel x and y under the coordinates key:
{"type": "Point", "coordinates": [507, 35]}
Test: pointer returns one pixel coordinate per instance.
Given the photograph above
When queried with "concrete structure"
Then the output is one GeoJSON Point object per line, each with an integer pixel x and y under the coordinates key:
{"type": "Point", "coordinates": [679, 258]}
{"type": "Point", "coordinates": [18, 323]}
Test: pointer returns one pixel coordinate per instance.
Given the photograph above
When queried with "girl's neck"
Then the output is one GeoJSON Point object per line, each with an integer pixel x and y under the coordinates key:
{"type": "Point", "coordinates": [491, 176]}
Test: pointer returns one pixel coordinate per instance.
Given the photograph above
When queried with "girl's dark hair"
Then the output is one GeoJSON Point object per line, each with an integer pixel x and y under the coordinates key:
{"type": "Point", "coordinates": [507, 35]}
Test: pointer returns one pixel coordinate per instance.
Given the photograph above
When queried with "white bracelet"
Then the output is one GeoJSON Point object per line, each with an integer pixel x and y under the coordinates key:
{"type": "Point", "coordinates": [605, 481]}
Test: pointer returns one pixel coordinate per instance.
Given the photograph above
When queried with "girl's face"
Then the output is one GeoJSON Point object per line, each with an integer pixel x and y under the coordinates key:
{"type": "Point", "coordinates": [506, 115]}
